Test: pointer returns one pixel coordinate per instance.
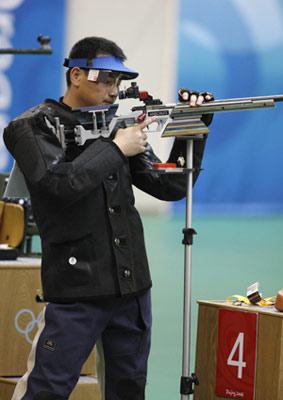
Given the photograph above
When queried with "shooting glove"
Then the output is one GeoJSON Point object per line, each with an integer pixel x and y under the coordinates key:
{"type": "Point", "coordinates": [185, 95]}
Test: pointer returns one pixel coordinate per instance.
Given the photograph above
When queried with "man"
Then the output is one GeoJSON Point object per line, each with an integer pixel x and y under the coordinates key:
{"type": "Point", "coordinates": [95, 274]}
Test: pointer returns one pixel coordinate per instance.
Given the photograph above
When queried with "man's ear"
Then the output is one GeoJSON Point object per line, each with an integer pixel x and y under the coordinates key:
{"type": "Point", "coordinates": [75, 76]}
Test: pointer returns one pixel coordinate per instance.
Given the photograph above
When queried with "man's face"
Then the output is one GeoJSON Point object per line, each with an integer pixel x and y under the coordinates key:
{"type": "Point", "coordinates": [92, 93]}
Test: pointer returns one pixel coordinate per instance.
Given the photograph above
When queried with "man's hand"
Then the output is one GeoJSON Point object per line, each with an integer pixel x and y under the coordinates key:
{"type": "Point", "coordinates": [194, 98]}
{"type": "Point", "coordinates": [132, 140]}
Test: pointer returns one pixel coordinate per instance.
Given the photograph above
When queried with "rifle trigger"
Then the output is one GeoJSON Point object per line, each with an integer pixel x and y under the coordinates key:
{"type": "Point", "coordinates": [141, 117]}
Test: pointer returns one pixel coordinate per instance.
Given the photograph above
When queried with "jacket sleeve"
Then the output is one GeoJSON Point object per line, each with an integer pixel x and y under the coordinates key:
{"type": "Point", "coordinates": [168, 186]}
{"type": "Point", "coordinates": [41, 159]}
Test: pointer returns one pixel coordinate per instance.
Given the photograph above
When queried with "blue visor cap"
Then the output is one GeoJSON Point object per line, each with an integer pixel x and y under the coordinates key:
{"type": "Point", "coordinates": [104, 63]}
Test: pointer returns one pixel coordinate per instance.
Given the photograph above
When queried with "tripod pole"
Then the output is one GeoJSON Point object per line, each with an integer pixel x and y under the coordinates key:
{"type": "Point", "coordinates": [187, 381]}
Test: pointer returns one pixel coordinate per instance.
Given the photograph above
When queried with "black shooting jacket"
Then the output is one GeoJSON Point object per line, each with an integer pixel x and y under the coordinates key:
{"type": "Point", "coordinates": [83, 204]}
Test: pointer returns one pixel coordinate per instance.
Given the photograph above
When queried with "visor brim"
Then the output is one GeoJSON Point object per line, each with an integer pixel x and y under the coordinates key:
{"type": "Point", "coordinates": [103, 63]}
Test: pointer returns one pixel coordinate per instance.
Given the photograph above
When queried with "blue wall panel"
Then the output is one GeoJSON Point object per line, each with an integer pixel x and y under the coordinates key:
{"type": "Point", "coordinates": [26, 80]}
{"type": "Point", "coordinates": [234, 49]}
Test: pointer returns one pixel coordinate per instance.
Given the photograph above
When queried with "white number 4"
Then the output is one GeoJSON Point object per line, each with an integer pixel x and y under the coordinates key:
{"type": "Point", "coordinates": [239, 343]}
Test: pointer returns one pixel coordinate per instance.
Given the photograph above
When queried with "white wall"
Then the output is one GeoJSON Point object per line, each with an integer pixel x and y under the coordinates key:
{"type": "Point", "coordinates": [146, 31]}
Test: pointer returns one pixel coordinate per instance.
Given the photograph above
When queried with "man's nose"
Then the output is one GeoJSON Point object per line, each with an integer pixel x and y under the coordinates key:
{"type": "Point", "coordinates": [114, 90]}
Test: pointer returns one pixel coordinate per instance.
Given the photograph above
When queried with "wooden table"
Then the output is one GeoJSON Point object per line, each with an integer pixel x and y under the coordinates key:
{"type": "Point", "coordinates": [19, 312]}
{"type": "Point", "coordinates": [269, 351]}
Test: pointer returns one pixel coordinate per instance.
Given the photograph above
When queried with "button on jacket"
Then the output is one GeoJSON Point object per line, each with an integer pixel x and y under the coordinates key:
{"type": "Point", "coordinates": [83, 203]}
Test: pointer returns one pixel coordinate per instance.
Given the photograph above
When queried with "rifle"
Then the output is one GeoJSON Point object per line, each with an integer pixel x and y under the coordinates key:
{"type": "Point", "coordinates": [172, 120]}
{"type": "Point", "coordinates": [44, 48]}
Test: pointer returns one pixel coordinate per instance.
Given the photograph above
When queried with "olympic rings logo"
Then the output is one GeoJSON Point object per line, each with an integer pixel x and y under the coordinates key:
{"type": "Point", "coordinates": [33, 322]}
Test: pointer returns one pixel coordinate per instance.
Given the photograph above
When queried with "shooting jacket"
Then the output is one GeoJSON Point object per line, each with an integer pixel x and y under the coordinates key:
{"type": "Point", "coordinates": [83, 203]}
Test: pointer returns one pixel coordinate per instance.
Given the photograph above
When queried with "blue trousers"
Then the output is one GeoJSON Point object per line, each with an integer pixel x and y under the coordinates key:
{"type": "Point", "coordinates": [66, 337]}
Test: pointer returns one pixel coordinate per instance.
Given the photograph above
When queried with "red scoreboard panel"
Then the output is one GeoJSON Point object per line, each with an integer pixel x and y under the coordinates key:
{"type": "Point", "coordinates": [236, 354]}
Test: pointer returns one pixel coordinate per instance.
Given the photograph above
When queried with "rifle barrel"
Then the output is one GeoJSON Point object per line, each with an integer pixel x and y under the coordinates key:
{"type": "Point", "coordinates": [276, 97]}
{"type": "Point", "coordinates": [237, 104]}
{"type": "Point", "coordinates": [26, 51]}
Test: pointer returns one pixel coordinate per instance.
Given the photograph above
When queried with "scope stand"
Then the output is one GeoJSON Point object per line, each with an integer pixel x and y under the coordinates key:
{"type": "Point", "coordinates": [187, 380]}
